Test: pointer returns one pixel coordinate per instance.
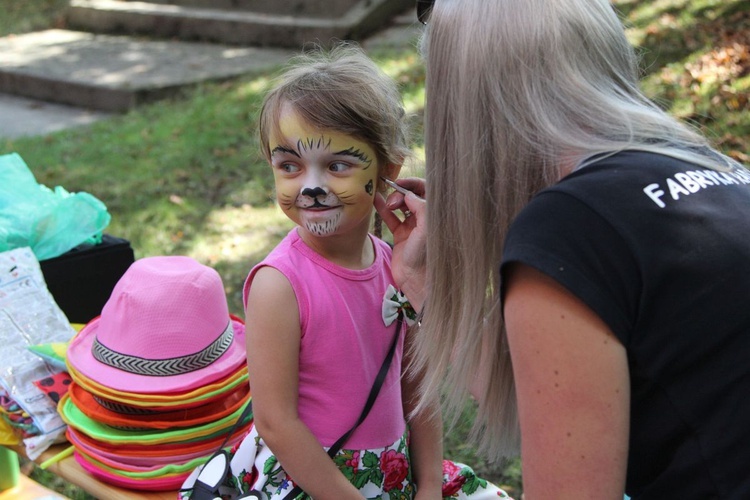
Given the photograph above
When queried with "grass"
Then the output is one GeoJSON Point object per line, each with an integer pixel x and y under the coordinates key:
{"type": "Point", "coordinates": [29, 15]}
{"type": "Point", "coordinates": [54, 483]}
{"type": "Point", "coordinates": [184, 176]}
{"type": "Point", "coordinates": [696, 56]}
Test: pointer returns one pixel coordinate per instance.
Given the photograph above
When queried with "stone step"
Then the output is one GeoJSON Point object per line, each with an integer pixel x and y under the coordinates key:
{"type": "Point", "coordinates": [235, 26]}
{"type": "Point", "coordinates": [117, 73]}
{"type": "Point", "coordinates": [105, 72]}
{"type": "Point", "coordinates": [296, 8]}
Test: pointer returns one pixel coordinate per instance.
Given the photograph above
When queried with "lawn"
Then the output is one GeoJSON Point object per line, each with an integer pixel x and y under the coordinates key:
{"type": "Point", "coordinates": [184, 176]}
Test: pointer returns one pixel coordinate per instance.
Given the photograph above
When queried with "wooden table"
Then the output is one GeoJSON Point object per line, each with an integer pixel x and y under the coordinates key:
{"type": "Point", "coordinates": [28, 489]}
{"type": "Point", "coordinates": [69, 470]}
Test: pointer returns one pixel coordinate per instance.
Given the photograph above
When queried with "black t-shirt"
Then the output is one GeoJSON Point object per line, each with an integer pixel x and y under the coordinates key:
{"type": "Point", "coordinates": [660, 250]}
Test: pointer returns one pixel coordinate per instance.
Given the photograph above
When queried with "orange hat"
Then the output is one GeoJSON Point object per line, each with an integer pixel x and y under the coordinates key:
{"type": "Point", "coordinates": [103, 412]}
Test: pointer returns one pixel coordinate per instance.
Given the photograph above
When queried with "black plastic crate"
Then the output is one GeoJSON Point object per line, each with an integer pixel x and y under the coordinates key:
{"type": "Point", "coordinates": [81, 280]}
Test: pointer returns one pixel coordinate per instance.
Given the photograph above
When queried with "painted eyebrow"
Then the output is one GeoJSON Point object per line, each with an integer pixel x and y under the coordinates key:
{"type": "Point", "coordinates": [355, 153]}
{"type": "Point", "coordinates": [283, 149]}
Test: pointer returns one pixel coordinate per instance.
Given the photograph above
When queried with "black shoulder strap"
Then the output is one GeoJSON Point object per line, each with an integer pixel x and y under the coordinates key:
{"type": "Point", "coordinates": [374, 391]}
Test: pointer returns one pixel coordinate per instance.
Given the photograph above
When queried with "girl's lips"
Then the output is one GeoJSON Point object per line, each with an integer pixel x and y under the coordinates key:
{"type": "Point", "coordinates": [319, 209]}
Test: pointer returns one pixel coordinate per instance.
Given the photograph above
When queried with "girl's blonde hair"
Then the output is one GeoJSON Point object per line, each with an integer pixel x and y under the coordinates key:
{"type": "Point", "coordinates": [341, 90]}
{"type": "Point", "coordinates": [518, 93]}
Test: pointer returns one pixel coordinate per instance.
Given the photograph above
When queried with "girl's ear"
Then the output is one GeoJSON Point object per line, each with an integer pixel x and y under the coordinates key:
{"type": "Point", "coordinates": [390, 171]}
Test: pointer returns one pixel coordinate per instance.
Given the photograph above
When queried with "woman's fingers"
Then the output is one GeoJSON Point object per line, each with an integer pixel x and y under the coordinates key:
{"type": "Point", "coordinates": [414, 205]}
{"type": "Point", "coordinates": [414, 184]}
{"type": "Point", "coordinates": [411, 205]}
{"type": "Point", "coordinates": [395, 200]}
{"type": "Point", "coordinates": [409, 236]}
{"type": "Point", "coordinates": [386, 213]}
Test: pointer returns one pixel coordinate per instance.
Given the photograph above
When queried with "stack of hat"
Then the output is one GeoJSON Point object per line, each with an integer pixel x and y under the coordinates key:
{"type": "Point", "coordinates": [159, 379]}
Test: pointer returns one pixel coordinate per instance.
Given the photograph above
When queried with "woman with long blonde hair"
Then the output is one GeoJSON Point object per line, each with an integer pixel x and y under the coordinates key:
{"type": "Point", "coordinates": [578, 260]}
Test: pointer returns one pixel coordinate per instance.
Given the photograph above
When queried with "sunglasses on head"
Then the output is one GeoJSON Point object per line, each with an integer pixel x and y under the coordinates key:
{"type": "Point", "coordinates": [424, 7]}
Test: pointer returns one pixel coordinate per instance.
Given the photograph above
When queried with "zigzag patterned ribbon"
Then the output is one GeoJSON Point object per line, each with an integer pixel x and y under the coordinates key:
{"type": "Point", "coordinates": [165, 367]}
{"type": "Point", "coordinates": [123, 408]}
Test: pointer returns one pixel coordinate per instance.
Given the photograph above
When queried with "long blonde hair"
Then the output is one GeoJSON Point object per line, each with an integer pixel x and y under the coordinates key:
{"type": "Point", "coordinates": [518, 92]}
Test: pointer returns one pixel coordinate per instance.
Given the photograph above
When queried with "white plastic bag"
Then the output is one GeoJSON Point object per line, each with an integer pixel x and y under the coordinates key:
{"type": "Point", "coordinates": [29, 316]}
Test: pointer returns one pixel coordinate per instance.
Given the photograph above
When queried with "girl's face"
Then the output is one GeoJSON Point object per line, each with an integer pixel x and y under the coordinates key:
{"type": "Point", "coordinates": [325, 180]}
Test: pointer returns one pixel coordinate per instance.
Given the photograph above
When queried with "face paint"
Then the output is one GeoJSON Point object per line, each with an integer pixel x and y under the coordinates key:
{"type": "Point", "coordinates": [320, 175]}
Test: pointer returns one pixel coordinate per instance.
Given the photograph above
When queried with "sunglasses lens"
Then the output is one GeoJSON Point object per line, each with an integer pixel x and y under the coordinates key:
{"type": "Point", "coordinates": [423, 10]}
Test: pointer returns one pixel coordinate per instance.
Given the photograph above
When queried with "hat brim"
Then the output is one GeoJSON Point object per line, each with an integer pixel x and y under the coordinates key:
{"type": "Point", "coordinates": [80, 356]}
{"type": "Point", "coordinates": [227, 405]}
{"type": "Point", "coordinates": [164, 402]}
{"type": "Point", "coordinates": [136, 452]}
{"type": "Point", "coordinates": [144, 471]}
{"type": "Point", "coordinates": [156, 484]}
{"type": "Point", "coordinates": [81, 443]}
{"type": "Point", "coordinates": [73, 416]}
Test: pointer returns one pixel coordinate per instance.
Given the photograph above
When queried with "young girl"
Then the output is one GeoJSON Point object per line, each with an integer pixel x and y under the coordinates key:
{"type": "Point", "coordinates": [321, 308]}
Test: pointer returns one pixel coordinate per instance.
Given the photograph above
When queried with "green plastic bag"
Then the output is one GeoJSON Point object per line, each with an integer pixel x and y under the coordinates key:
{"type": "Point", "coordinates": [51, 222]}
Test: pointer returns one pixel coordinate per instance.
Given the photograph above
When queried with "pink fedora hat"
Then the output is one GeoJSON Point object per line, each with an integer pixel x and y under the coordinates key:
{"type": "Point", "coordinates": [165, 328]}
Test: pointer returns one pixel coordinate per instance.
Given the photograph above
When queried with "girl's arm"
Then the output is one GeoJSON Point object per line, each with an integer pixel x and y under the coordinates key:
{"type": "Point", "coordinates": [573, 391]}
{"type": "Point", "coordinates": [273, 338]}
{"type": "Point", "coordinates": [426, 436]}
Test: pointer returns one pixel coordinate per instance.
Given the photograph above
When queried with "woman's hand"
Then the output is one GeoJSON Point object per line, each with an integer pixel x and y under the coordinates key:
{"type": "Point", "coordinates": [409, 237]}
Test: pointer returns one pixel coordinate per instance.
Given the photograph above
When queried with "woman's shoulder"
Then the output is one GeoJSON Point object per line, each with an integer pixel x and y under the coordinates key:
{"type": "Point", "coordinates": [624, 166]}
{"type": "Point", "coordinates": [643, 180]}
{"type": "Point", "coordinates": [641, 167]}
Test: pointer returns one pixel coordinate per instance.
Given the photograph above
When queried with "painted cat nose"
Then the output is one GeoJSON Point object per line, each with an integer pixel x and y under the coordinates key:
{"type": "Point", "coordinates": [313, 192]}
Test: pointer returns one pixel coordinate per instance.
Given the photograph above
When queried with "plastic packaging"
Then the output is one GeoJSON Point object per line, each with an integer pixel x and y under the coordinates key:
{"type": "Point", "coordinates": [50, 222]}
{"type": "Point", "coordinates": [30, 317]}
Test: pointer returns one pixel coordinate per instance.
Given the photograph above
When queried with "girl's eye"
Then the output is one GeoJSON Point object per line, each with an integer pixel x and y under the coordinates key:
{"type": "Point", "coordinates": [338, 167]}
{"type": "Point", "coordinates": [289, 168]}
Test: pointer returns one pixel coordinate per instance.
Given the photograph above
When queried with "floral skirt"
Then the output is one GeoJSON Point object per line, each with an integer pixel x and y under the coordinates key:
{"type": "Point", "coordinates": [381, 473]}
